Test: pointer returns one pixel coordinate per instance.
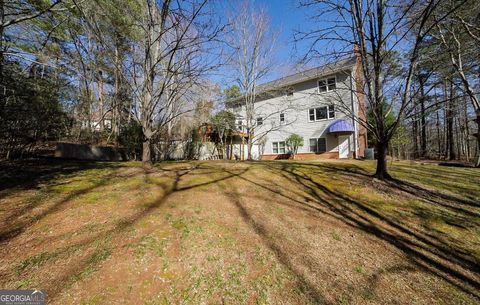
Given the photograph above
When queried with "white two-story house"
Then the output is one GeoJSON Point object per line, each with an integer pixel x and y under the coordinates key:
{"type": "Point", "coordinates": [319, 104]}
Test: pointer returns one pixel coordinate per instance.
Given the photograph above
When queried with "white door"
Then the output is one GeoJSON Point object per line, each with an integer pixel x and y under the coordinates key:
{"type": "Point", "coordinates": [343, 146]}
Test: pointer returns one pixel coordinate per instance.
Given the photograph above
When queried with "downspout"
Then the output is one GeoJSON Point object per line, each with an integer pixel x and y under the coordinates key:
{"type": "Point", "coordinates": [355, 133]}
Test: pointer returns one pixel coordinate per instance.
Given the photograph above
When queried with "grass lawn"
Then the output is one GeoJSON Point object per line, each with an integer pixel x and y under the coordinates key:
{"type": "Point", "coordinates": [275, 232]}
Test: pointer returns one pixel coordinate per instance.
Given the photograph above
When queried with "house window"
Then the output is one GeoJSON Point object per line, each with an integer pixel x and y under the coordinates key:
{"type": "Point", "coordinates": [278, 147]}
{"type": "Point", "coordinates": [259, 121]}
{"type": "Point", "coordinates": [311, 115]}
{"type": "Point", "coordinates": [331, 111]}
{"type": "Point", "coordinates": [331, 84]}
{"type": "Point", "coordinates": [289, 92]}
{"type": "Point", "coordinates": [318, 145]}
{"type": "Point", "coordinates": [282, 118]}
{"type": "Point", "coordinates": [322, 85]}
{"type": "Point", "coordinates": [313, 145]}
{"type": "Point", "coordinates": [325, 85]}
{"type": "Point", "coordinates": [240, 125]}
{"type": "Point", "coordinates": [321, 113]}
{"type": "Point", "coordinates": [321, 145]}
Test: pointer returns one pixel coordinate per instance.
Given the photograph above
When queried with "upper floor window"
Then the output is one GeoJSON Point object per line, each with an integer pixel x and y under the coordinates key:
{"type": "Point", "coordinates": [240, 125]}
{"type": "Point", "coordinates": [289, 91]}
{"type": "Point", "coordinates": [259, 121]}
{"type": "Point", "coordinates": [282, 118]}
{"type": "Point", "coordinates": [321, 113]}
{"type": "Point", "coordinates": [328, 84]}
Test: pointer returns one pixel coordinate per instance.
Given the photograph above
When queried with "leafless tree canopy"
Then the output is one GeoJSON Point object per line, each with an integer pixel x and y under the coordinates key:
{"type": "Point", "coordinates": [253, 43]}
{"type": "Point", "coordinates": [388, 36]}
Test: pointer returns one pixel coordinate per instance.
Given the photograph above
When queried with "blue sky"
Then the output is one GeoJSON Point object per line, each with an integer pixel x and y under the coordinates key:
{"type": "Point", "coordinates": [286, 17]}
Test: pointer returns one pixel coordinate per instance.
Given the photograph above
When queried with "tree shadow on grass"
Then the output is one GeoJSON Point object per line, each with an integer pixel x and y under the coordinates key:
{"type": "Point", "coordinates": [455, 203]}
{"type": "Point", "coordinates": [17, 222]}
{"type": "Point", "coordinates": [28, 174]}
{"type": "Point", "coordinates": [451, 263]}
{"type": "Point", "coordinates": [59, 282]}
{"type": "Point", "coordinates": [284, 258]}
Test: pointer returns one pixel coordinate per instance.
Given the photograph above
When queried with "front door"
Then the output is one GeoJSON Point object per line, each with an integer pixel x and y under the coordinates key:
{"type": "Point", "coordinates": [343, 146]}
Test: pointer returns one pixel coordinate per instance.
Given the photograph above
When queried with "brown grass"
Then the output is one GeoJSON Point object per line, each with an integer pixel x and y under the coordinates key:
{"type": "Point", "coordinates": [274, 232]}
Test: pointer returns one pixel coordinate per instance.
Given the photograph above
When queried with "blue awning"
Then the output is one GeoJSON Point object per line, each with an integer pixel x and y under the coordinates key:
{"type": "Point", "coordinates": [340, 126]}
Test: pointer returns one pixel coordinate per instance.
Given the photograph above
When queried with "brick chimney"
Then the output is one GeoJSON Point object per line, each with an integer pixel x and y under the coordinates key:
{"type": "Point", "coordinates": [360, 94]}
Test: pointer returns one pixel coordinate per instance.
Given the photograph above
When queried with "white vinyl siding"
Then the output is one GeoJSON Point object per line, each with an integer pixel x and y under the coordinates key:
{"type": "Point", "coordinates": [297, 111]}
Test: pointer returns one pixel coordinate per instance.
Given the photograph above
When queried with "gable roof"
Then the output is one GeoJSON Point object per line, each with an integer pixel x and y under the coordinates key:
{"type": "Point", "coordinates": [314, 73]}
{"type": "Point", "coordinates": [309, 74]}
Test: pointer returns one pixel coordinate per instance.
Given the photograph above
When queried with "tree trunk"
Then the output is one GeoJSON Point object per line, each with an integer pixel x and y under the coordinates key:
{"type": "Point", "coordinates": [466, 130]}
{"type": "Point", "coordinates": [423, 123]}
{"type": "Point", "coordinates": [2, 18]}
{"type": "Point", "coordinates": [382, 172]}
{"type": "Point", "coordinates": [423, 127]}
{"type": "Point", "coordinates": [146, 153]}
{"type": "Point", "coordinates": [477, 163]}
{"type": "Point", "coordinates": [249, 146]}
{"type": "Point", "coordinates": [101, 101]}
{"type": "Point", "coordinates": [415, 133]}
{"type": "Point", "coordinates": [450, 140]}
{"type": "Point", "coordinates": [439, 139]}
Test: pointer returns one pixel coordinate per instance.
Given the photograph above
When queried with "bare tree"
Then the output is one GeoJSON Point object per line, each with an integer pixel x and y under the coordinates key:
{"type": "Point", "coordinates": [16, 12]}
{"type": "Point", "coordinates": [380, 29]}
{"type": "Point", "coordinates": [253, 43]}
{"type": "Point", "coordinates": [456, 35]}
{"type": "Point", "coordinates": [169, 61]}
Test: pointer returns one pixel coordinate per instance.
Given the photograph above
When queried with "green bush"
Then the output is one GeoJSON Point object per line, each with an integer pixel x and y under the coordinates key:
{"type": "Point", "coordinates": [131, 139]}
{"type": "Point", "coordinates": [294, 141]}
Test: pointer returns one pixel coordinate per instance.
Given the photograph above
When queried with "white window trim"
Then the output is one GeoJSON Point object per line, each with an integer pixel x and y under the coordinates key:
{"type": "Point", "coordinates": [315, 114]}
{"type": "Point", "coordinates": [308, 115]}
{"type": "Point", "coordinates": [326, 82]}
{"type": "Point", "coordinates": [278, 146]}
{"type": "Point", "coordinates": [334, 111]}
{"type": "Point", "coordinates": [240, 124]}
{"type": "Point", "coordinates": [273, 150]}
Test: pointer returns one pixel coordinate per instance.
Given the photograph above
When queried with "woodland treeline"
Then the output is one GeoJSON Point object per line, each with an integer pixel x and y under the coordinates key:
{"type": "Point", "coordinates": [138, 74]}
